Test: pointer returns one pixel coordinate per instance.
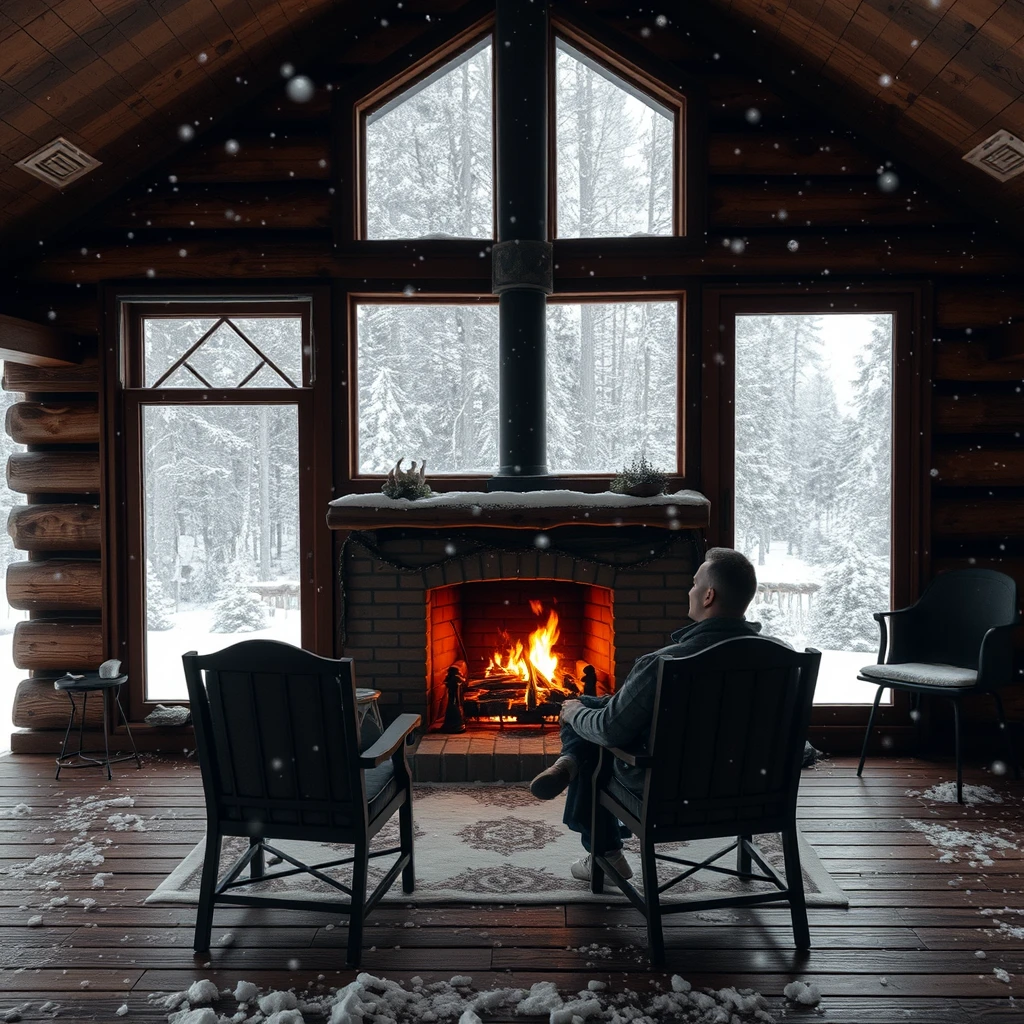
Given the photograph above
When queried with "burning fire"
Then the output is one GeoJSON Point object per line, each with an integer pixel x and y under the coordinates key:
{"type": "Point", "coordinates": [537, 661]}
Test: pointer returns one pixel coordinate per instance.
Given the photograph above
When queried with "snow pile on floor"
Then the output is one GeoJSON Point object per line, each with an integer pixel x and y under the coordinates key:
{"type": "Point", "coordinates": [124, 822]}
{"type": "Point", "coordinates": [956, 843]}
{"type": "Point", "coordinates": [72, 860]}
{"type": "Point", "coordinates": [1004, 929]}
{"type": "Point", "coordinates": [81, 813]}
{"type": "Point", "coordinates": [17, 811]}
{"type": "Point", "coordinates": [380, 1001]}
{"type": "Point", "coordinates": [945, 793]}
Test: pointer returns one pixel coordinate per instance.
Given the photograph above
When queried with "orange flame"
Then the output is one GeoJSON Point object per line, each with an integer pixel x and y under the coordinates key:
{"type": "Point", "coordinates": [540, 655]}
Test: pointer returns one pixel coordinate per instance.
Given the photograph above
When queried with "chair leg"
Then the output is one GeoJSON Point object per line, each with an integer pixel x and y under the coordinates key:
{"type": "Point", "coordinates": [915, 712]}
{"type": "Point", "coordinates": [655, 933]}
{"type": "Point", "coordinates": [795, 884]}
{"type": "Point", "coordinates": [207, 885]}
{"type": "Point", "coordinates": [106, 732]}
{"type": "Point", "coordinates": [1007, 738]}
{"type": "Point", "coordinates": [956, 749]}
{"type": "Point", "coordinates": [257, 865]}
{"type": "Point", "coordinates": [67, 733]}
{"type": "Point", "coordinates": [867, 732]}
{"type": "Point", "coordinates": [355, 918]}
{"type": "Point", "coordinates": [743, 854]}
{"type": "Point", "coordinates": [406, 839]}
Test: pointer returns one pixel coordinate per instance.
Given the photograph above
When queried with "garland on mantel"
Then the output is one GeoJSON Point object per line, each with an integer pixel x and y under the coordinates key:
{"type": "Point", "coordinates": [474, 547]}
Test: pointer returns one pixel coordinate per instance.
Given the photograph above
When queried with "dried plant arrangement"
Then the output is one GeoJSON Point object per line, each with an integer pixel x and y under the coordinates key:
{"type": "Point", "coordinates": [407, 483]}
{"type": "Point", "coordinates": [640, 479]}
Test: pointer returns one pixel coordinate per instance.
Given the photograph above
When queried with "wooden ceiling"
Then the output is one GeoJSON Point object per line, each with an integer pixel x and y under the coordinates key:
{"type": "Point", "coordinates": [925, 79]}
{"type": "Point", "coordinates": [928, 78]}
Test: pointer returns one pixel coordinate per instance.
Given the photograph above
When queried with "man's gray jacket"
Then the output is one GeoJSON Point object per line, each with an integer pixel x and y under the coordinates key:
{"type": "Point", "coordinates": [624, 720]}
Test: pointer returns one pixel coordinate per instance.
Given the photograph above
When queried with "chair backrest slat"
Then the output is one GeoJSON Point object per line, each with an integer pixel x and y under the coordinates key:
{"type": "Point", "coordinates": [278, 735]}
{"type": "Point", "coordinates": [728, 731]}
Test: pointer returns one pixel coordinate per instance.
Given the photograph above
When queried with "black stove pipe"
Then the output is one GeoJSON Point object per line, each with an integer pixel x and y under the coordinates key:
{"type": "Point", "coordinates": [521, 271]}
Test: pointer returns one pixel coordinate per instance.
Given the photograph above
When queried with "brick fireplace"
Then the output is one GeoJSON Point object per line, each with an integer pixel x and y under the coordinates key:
{"type": "Point", "coordinates": [424, 583]}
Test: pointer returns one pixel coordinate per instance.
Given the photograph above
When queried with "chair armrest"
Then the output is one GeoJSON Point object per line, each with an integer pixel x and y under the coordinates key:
{"type": "Point", "coordinates": [635, 760]}
{"type": "Point", "coordinates": [899, 639]}
{"type": "Point", "coordinates": [391, 740]}
{"type": "Point", "coordinates": [995, 661]}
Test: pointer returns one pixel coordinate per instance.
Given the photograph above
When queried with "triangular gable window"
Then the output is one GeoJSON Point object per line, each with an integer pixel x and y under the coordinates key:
{"type": "Point", "coordinates": [616, 153]}
{"type": "Point", "coordinates": [429, 154]}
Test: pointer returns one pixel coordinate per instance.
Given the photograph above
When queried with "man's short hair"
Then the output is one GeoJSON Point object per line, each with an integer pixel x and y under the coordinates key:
{"type": "Point", "coordinates": [733, 578]}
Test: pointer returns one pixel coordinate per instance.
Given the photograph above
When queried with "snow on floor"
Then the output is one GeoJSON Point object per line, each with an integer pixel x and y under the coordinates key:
{"type": "Point", "coordinates": [381, 1001]}
{"type": "Point", "coordinates": [164, 648]}
{"type": "Point", "coordinates": [945, 793]}
{"type": "Point", "coordinates": [1005, 929]}
{"type": "Point", "coordinates": [955, 844]}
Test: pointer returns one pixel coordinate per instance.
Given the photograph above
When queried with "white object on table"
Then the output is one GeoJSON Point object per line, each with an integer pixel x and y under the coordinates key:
{"type": "Point", "coordinates": [366, 704]}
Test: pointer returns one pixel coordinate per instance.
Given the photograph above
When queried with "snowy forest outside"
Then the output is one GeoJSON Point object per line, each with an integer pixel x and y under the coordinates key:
{"type": "Point", "coordinates": [427, 378]}
{"type": "Point", "coordinates": [814, 483]}
{"type": "Point", "coordinates": [221, 489]}
{"type": "Point", "coordinates": [429, 154]}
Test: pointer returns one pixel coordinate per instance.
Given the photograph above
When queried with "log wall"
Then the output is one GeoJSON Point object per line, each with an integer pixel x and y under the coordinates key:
{"type": "Point", "coordinates": [60, 527]}
{"type": "Point", "coordinates": [799, 191]}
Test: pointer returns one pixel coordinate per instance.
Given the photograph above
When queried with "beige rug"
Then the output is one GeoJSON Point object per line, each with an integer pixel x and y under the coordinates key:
{"type": "Point", "coordinates": [497, 844]}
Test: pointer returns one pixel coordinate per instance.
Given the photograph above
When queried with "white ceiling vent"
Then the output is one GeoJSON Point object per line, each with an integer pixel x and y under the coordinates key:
{"type": "Point", "coordinates": [59, 163]}
{"type": "Point", "coordinates": [1002, 156]}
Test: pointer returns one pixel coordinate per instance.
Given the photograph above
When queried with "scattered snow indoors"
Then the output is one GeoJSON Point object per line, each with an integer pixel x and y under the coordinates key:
{"type": "Point", "coordinates": [957, 844]}
{"type": "Point", "coordinates": [945, 793]}
{"type": "Point", "coordinates": [381, 1001]}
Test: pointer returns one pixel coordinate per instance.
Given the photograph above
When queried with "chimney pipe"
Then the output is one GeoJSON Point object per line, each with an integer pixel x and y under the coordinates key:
{"type": "Point", "coordinates": [521, 269]}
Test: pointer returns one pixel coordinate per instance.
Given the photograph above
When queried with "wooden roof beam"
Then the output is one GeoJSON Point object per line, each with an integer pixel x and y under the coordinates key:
{"type": "Point", "coordinates": [23, 341]}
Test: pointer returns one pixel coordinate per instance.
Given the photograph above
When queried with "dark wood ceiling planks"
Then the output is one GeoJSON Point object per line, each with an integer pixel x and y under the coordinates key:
{"type": "Point", "coordinates": [117, 77]}
{"type": "Point", "coordinates": [938, 76]}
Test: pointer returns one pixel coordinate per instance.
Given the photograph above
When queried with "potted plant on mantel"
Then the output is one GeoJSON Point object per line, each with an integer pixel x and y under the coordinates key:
{"type": "Point", "coordinates": [640, 479]}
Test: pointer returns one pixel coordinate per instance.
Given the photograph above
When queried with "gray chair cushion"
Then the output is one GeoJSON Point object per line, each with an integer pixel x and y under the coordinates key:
{"type": "Point", "coordinates": [921, 673]}
{"type": "Point", "coordinates": [381, 786]}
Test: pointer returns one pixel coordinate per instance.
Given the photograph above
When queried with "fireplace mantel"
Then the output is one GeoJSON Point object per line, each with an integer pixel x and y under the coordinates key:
{"type": "Point", "coordinates": [530, 510]}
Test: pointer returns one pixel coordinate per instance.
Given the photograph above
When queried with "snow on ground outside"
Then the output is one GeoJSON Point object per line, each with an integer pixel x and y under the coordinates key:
{"type": "Point", "coordinates": [191, 632]}
{"type": "Point", "coordinates": [9, 675]}
{"type": "Point", "coordinates": [837, 676]}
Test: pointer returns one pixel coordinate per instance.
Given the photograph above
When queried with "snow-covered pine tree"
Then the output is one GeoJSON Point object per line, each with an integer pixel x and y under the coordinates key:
{"type": "Point", "coordinates": [159, 606]}
{"type": "Point", "coordinates": [238, 609]}
{"type": "Point", "coordinates": [855, 584]}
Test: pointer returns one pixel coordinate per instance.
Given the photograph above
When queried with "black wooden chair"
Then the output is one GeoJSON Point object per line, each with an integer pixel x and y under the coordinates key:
{"type": "Point", "coordinates": [724, 757]}
{"type": "Point", "coordinates": [955, 641]}
{"type": "Point", "coordinates": [277, 735]}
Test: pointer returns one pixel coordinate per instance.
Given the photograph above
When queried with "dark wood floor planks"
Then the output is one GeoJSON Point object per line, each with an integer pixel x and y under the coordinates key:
{"type": "Point", "coordinates": [906, 950]}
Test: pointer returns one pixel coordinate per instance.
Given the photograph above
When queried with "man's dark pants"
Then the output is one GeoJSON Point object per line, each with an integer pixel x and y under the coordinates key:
{"type": "Point", "coordinates": [579, 797]}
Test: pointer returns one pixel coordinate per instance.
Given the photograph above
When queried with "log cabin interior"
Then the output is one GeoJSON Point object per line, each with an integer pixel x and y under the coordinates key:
{"type": "Point", "coordinates": [254, 252]}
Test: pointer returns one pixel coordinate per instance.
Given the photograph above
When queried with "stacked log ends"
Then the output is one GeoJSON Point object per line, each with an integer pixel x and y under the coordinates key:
{"type": "Point", "coordinates": [62, 587]}
{"type": "Point", "coordinates": [37, 705]}
{"type": "Point", "coordinates": [59, 527]}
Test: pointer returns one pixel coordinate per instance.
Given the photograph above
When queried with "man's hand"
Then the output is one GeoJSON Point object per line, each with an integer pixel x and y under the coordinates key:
{"type": "Point", "coordinates": [569, 709]}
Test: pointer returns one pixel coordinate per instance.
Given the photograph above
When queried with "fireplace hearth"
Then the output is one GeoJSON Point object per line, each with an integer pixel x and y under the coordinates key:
{"type": "Point", "coordinates": [454, 579]}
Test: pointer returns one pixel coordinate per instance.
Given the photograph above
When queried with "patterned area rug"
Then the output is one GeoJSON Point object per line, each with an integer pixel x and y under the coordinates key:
{"type": "Point", "coordinates": [497, 844]}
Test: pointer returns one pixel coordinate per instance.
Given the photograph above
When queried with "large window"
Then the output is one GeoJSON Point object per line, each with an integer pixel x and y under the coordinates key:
{"type": "Point", "coordinates": [217, 406]}
{"type": "Point", "coordinates": [616, 151]}
{"type": "Point", "coordinates": [812, 459]}
{"type": "Point", "coordinates": [429, 154]}
{"type": "Point", "coordinates": [813, 507]}
{"type": "Point", "coordinates": [427, 384]}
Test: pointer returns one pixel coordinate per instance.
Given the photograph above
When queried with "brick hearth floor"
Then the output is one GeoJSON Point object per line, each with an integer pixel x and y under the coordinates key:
{"type": "Point", "coordinates": [513, 754]}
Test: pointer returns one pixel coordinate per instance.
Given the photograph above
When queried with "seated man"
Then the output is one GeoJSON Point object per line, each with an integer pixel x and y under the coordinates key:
{"type": "Point", "coordinates": [723, 586]}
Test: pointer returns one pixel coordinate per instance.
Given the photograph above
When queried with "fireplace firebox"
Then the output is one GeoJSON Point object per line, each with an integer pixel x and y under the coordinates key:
{"type": "Point", "coordinates": [434, 583]}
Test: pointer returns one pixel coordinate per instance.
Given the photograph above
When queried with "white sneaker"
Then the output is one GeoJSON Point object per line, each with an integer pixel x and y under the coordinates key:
{"type": "Point", "coordinates": [580, 869]}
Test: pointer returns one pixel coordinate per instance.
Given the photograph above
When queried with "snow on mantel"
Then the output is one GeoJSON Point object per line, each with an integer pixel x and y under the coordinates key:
{"type": "Point", "coordinates": [519, 510]}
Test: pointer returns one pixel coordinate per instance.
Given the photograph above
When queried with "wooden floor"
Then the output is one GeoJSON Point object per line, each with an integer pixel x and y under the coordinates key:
{"type": "Point", "coordinates": [906, 950]}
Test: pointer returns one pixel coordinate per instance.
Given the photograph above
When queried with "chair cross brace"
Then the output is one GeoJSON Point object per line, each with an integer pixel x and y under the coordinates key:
{"type": "Point", "coordinates": [771, 875]}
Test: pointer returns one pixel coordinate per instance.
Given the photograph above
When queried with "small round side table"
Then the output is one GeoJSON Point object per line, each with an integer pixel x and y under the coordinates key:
{"type": "Point", "coordinates": [90, 682]}
{"type": "Point", "coordinates": [366, 704]}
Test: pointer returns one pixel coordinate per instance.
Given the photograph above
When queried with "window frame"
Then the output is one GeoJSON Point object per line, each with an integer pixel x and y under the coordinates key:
{"type": "Point", "coordinates": [619, 54]}
{"type": "Point", "coordinates": [686, 397]}
{"type": "Point", "coordinates": [910, 510]}
{"type": "Point", "coordinates": [618, 65]}
{"type": "Point", "coordinates": [122, 454]}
